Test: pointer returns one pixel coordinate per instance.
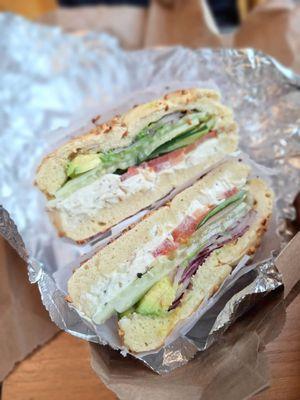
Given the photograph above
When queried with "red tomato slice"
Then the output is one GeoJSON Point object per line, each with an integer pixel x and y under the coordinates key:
{"type": "Point", "coordinates": [230, 192]}
{"type": "Point", "coordinates": [211, 134]}
{"type": "Point", "coordinates": [176, 155]}
{"type": "Point", "coordinates": [185, 229]}
{"type": "Point", "coordinates": [130, 172]}
{"type": "Point", "coordinates": [159, 163]}
{"type": "Point", "coordinates": [199, 215]}
{"type": "Point", "coordinates": [192, 146]}
{"type": "Point", "coordinates": [165, 248]}
{"type": "Point", "coordinates": [167, 160]}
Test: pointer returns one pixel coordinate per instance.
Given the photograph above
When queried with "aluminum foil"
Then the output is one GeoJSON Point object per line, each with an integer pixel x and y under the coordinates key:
{"type": "Point", "coordinates": [51, 80]}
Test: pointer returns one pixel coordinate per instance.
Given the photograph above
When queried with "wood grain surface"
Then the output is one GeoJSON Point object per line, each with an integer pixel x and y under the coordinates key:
{"type": "Point", "coordinates": [61, 369]}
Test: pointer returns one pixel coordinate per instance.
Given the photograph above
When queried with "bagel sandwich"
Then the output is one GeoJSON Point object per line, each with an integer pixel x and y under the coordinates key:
{"type": "Point", "coordinates": [164, 268]}
{"type": "Point", "coordinates": [95, 181]}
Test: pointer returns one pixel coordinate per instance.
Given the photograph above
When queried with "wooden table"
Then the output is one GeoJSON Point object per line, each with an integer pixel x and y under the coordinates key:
{"type": "Point", "coordinates": [61, 369]}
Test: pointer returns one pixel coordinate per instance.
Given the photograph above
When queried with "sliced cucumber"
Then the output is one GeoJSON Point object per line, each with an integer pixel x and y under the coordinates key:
{"type": "Point", "coordinates": [232, 199]}
{"type": "Point", "coordinates": [134, 292]}
{"type": "Point", "coordinates": [103, 314]}
{"type": "Point", "coordinates": [180, 141]}
{"type": "Point", "coordinates": [139, 151]}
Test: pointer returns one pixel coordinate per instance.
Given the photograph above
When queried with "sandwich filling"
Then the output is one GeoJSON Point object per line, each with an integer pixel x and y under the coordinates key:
{"type": "Point", "coordinates": [172, 132]}
{"type": "Point", "coordinates": [113, 188]}
{"type": "Point", "coordinates": [155, 279]}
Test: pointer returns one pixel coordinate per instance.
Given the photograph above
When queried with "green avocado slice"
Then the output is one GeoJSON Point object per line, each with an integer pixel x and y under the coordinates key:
{"type": "Point", "coordinates": [83, 163]}
{"type": "Point", "coordinates": [158, 299]}
{"type": "Point", "coordinates": [135, 291]}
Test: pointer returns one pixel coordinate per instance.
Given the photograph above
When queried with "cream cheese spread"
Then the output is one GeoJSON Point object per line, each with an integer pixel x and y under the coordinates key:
{"type": "Point", "coordinates": [107, 190]}
{"type": "Point", "coordinates": [105, 287]}
{"type": "Point", "coordinates": [110, 189]}
{"type": "Point", "coordinates": [214, 194]}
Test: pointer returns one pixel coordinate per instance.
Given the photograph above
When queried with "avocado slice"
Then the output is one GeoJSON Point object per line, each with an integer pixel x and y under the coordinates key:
{"type": "Point", "coordinates": [135, 291]}
{"type": "Point", "coordinates": [126, 313]}
{"type": "Point", "coordinates": [158, 299]}
{"type": "Point", "coordinates": [82, 163]}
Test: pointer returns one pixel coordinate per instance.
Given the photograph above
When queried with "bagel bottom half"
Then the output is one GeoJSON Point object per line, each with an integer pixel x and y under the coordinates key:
{"type": "Point", "coordinates": [141, 333]}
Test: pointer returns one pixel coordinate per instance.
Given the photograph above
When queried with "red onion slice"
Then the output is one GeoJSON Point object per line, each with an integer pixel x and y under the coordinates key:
{"type": "Point", "coordinates": [216, 242]}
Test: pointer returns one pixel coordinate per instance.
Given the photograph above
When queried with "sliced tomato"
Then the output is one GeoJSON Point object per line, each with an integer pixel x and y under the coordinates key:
{"type": "Point", "coordinates": [167, 160]}
{"type": "Point", "coordinates": [166, 247]}
{"type": "Point", "coordinates": [130, 172]}
{"type": "Point", "coordinates": [185, 229]}
{"type": "Point", "coordinates": [210, 135]}
{"type": "Point", "coordinates": [159, 163]}
{"type": "Point", "coordinates": [199, 215]}
{"type": "Point", "coordinates": [230, 192]}
{"type": "Point", "coordinates": [180, 235]}
{"type": "Point", "coordinates": [177, 155]}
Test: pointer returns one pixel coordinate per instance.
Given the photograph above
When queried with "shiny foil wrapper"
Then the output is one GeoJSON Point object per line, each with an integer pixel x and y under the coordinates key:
{"type": "Point", "coordinates": [53, 80]}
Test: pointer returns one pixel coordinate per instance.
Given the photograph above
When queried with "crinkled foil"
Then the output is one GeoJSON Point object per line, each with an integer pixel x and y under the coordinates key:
{"type": "Point", "coordinates": [49, 79]}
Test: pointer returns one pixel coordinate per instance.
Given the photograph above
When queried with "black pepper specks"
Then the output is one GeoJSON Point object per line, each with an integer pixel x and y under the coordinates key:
{"type": "Point", "coordinates": [95, 119]}
{"type": "Point", "coordinates": [139, 274]}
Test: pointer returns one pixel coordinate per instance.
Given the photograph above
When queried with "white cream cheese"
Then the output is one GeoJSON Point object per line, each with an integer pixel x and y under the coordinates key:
{"type": "Point", "coordinates": [105, 287]}
{"type": "Point", "coordinates": [107, 190]}
{"type": "Point", "coordinates": [198, 155]}
{"type": "Point", "coordinates": [208, 148]}
{"type": "Point", "coordinates": [143, 181]}
{"type": "Point", "coordinates": [110, 189]}
{"type": "Point", "coordinates": [214, 194]}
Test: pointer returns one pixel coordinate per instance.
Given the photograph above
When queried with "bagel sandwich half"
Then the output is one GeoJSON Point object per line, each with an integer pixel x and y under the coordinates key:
{"type": "Point", "coordinates": [97, 180]}
{"type": "Point", "coordinates": [161, 270]}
